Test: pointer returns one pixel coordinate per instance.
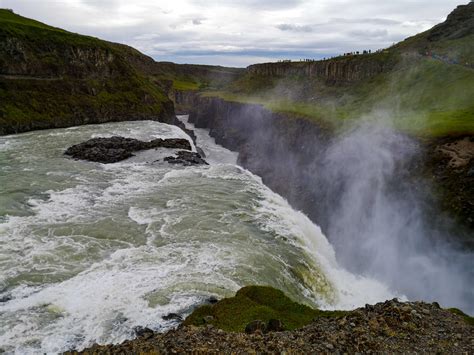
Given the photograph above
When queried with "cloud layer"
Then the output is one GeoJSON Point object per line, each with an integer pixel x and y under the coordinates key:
{"type": "Point", "coordinates": [239, 33]}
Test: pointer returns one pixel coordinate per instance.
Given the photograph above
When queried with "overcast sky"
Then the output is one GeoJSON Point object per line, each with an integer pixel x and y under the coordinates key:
{"type": "Point", "coordinates": [241, 32]}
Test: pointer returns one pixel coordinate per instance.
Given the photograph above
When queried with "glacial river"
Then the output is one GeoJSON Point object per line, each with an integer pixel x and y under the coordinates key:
{"type": "Point", "coordinates": [89, 251]}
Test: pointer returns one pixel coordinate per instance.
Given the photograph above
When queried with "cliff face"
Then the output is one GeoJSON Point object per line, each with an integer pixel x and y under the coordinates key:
{"type": "Point", "coordinates": [185, 101]}
{"type": "Point", "coordinates": [281, 149]}
{"type": "Point", "coordinates": [290, 154]}
{"type": "Point", "coordinates": [340, 70]}
{"type": "Point", "coordinates": [21, 58]}
{"type": "Point", "coordinates": [53, 78]}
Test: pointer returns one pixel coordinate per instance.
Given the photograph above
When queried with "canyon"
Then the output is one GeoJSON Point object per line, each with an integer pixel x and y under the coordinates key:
{"type": "Point", "coordinates": [348, 178]}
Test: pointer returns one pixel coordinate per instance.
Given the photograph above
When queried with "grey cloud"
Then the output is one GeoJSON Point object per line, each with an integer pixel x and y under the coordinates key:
{"type": "Point", "coordinates": [255, 4]}
{"type": "Point", "coordinates": [197, 21]}
{"type": "Point", "coordinates": [334, 22]}
{"type": "Point", "coordinates": [369, 33]}
{"type": "Point", "coordinates": [100, 4]}
{"type": "Point", "coordinates": [372, 21]}
{"type": "Point", "coordinates": [294, 28]}
{"type": "Point", "coordinates": [434, 10]}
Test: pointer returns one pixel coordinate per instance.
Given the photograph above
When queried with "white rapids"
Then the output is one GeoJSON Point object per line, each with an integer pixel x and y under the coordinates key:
{"type": "Point", "coordinates": [90, 251]}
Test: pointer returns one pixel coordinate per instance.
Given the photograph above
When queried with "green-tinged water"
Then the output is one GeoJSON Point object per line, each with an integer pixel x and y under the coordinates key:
{"type": "Point", "coordinates": [90, 251]}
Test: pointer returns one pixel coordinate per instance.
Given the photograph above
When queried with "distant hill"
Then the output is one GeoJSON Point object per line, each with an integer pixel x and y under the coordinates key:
{"type": "Point", "coordinates": [424, 83]}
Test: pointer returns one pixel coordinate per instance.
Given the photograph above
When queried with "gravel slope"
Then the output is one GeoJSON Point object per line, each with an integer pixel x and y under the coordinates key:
{"type": "Point", "coordinates": [392, 326]}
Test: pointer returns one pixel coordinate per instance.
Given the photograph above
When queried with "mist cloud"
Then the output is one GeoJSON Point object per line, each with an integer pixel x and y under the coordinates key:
{"type": "Point", "coordinates": [383, 225]}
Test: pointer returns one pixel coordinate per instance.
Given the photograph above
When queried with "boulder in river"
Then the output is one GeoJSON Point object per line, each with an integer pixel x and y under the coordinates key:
{"type": "Point", "coordinates": [186, 158]}
{"type": "Point", "coordinates": [115, 149]}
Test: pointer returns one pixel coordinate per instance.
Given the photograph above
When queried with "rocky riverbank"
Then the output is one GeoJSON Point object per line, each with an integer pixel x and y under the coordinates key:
{"type": "Point", "coordinates": [391, 326]}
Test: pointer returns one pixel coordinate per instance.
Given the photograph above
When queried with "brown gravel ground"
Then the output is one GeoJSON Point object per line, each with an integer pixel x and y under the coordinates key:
{"type": "Point", "coordinates": [389, 327]}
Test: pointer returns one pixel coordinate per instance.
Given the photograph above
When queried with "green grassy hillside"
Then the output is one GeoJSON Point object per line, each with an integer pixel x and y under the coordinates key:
{"type": "Point", "coordinates": [196, 77]}
{"type": "Point", "coordinates": [53, 78]}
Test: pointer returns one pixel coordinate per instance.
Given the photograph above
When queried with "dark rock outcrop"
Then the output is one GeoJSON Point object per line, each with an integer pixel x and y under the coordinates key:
{"type": "Point", "coordinates": [212, 300]}
{"type": "Point", "coordinates": [256, 326]}
{"type": "Point", "coordinates": [460, 23]}
{"type": "Point", "coordinates": [275, 325]}
{"type": "Point", "coordinates": [114, 149]}
{"type": "Point", "coordinates": [184, 101]}
{"type": "Point", "coordinates": [450, 165]}
{"type": "Point", "coordinates": [5, 298]}
{"type": "Point", "coordinates": [173, 316]}
{"type": "Point", "coordinates": [143, 332]}
{"type": "Point", "coordinates": [186, 158]}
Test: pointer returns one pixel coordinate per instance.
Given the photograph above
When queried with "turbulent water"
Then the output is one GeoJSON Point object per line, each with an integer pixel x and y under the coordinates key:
{"type": "Point", "coordinates": [90, 251]}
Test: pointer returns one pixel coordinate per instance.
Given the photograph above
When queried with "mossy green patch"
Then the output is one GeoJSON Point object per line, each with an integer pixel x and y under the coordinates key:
{"type": "Point", "coordinates": [187, 85]}
{"type": "Point", "coordinates": [326, 115]}
{"type": "Point", "coordinates": [426, 97]}
{"type": "Point", "coordinates": [468, 319]}
{"type": "Point", "coordinates": [190, 77]}
{"type": "Point", "coordinates": [256, 303]}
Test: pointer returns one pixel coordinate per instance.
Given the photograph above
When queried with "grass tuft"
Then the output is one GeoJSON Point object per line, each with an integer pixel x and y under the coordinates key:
{"type": "Point", "coordinates": [468, 319]}
{"type": "Point", "coordinates": [257, 303]}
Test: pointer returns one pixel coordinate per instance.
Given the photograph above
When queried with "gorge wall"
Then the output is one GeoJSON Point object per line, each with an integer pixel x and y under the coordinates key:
{"type": "Point", "coordinates": [288, 152]}
{"type": "Point", "coordinates": [282, 149]}
{"type": "Point", "coordinates": [345, 69]}
{"type": "Point", "coordinates": [276, 147]}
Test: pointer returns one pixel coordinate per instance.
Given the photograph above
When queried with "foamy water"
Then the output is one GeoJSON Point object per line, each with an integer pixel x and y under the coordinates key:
{"type": "Point", "coordinates": [90, 251]}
